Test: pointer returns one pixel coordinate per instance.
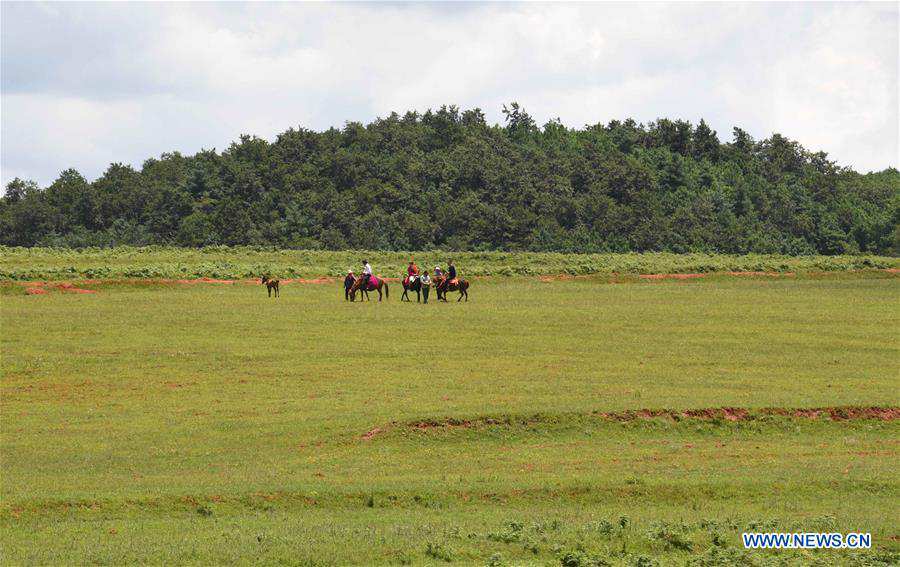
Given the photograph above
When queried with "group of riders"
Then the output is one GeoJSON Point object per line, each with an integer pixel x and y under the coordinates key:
{"type": "Point", "coordinates": [415, 280]}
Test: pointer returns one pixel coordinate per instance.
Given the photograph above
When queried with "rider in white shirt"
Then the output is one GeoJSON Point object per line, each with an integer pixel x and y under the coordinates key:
{"type": "Point", "coordinates": [367, 271]}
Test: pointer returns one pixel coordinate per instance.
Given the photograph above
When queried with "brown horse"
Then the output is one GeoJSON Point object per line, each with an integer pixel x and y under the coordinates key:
{"type": "Point", "coordinates": [459, 284]}
{"type": "Point", "coordinates": [270, 285]}
{"type": "Point", "coordinates": [378, 285]}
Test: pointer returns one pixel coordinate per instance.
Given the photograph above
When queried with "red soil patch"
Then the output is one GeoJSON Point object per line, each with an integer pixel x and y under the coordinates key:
{"type": "Point", "coordinates": [203, 280]}
{"type": "Point", "coordinates": [330, 280]}
{"type": "Point", "coordinates": [670, 276]}
{"type": "Point", "coordinates": [741, 414]}
{"type": "Point", "coordinates": [770, 274]}
{"type": "Point", "coordinates": [313, 281]}
{"type": "Point", "coordinates": [39, 288]}
{"type": "Point", "coordinates": [67, 287]}
{"type": "Point", "coordinates": [371, 433]}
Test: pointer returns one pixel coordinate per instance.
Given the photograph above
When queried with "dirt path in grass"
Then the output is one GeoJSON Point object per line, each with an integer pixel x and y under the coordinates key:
{"type": "Point", "coordinates": [42, 287]}
{"type": "Point", "coordinates": [834, 413]}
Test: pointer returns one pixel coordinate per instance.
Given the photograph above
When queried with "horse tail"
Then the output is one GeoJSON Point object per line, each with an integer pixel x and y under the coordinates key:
{"type": "Point", "coordinates": [387, 294]}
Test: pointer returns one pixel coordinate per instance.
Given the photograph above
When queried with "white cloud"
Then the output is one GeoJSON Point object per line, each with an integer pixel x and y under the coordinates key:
{"type": "Point", "coordinates": [84, 85]}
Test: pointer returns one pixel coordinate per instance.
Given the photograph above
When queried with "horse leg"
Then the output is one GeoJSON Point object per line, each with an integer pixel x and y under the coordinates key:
{"type": "Point", "coordinates": [379, 295]}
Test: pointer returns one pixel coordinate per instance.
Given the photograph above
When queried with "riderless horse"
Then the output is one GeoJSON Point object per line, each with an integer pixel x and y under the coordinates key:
{"type": "Point", "coordinates": [270, 285]}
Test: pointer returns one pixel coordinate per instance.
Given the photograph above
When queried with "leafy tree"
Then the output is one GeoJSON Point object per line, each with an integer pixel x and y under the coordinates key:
{"type": "Point", "coordinates": [446, 178]}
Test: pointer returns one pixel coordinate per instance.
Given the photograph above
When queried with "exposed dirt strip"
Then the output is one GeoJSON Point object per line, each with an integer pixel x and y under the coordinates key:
{"type": "Point", "coordinates": [670, 276]}
{"type": "Point", "coordinates": [32, 287]}
{"type": "Point", "coordinates": [40, 288]}
{"type": "Point", "coordinates": [835, 413]}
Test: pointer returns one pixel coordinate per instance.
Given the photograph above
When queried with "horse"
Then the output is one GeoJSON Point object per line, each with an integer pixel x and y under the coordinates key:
{"type": "Point", "coordinates": [412, 283]}
{"type": "Point", "coordinates": [375, 284]}
{"type": "Point", "coordinates": [458, 284]}
{"type": "Point", "coordinates": [270, 285]}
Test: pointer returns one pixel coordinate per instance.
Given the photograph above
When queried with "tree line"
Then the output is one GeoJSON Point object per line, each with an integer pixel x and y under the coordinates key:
{"type": "Point", "coordinates": [447, 179]}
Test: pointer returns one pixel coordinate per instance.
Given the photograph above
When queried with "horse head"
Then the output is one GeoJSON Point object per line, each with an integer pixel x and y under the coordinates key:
{"type": "Point", "coordinates": [357, 281]}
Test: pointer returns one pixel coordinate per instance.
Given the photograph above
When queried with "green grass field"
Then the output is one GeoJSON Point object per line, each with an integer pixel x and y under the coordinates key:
{"type": "Point", "coordinates": [246, 261]}
{"type": "Point", "coordinates": [203, 424]}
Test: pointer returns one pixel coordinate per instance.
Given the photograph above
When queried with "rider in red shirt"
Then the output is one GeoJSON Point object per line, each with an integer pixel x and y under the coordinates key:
{"type": "Point", "coordinates": [411, 271]}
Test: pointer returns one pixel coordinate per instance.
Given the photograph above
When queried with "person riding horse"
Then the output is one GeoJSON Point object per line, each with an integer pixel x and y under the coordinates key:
{"type": "Point", "coordinates": [411, 282]}
{"type": "Point", "coordinates": [451, 275]}
{"type": "Point", "coordinates": [367, 272]}
{"type": "Point", "coordinates": [450, 282]}
{"type": "Point", "coordinates": [412, 271]}
{"type": "Point", "coordinates": [365, 284]}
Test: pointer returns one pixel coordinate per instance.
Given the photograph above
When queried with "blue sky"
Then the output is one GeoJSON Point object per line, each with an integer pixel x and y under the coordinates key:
{"type": "Point", "coordinates": [84, 84]}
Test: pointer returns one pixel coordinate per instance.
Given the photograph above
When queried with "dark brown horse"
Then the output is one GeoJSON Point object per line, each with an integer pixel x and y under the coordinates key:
{"type": "Point", "coordinates": [378, 285]}
{"type": "Point", "coordinates": [270, 285]}
{"type": "Point", "coordinates": [458, 284]}
{"type": "Point", "coordinates": [413, 283]}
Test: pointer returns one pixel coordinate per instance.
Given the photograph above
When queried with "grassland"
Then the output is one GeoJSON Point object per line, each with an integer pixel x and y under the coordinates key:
{"type": "Point", "coordinates": [246, 262]}
{"type": "Point", "coordinates": [207, 424]}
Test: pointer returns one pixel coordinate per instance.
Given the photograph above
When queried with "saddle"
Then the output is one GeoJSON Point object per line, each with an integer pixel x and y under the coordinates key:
{"type": "Point", "coordinates": [409, 280]}
{"type": "Point", "coordinates": [373, 284]}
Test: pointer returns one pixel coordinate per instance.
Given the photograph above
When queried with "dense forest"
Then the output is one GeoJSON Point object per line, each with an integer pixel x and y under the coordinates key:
{"type": "Point", "coordinates": [447, 179]}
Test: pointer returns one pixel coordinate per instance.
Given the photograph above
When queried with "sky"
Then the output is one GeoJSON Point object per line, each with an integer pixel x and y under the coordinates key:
{"type": "Point", "coordinates": [85, 85]}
